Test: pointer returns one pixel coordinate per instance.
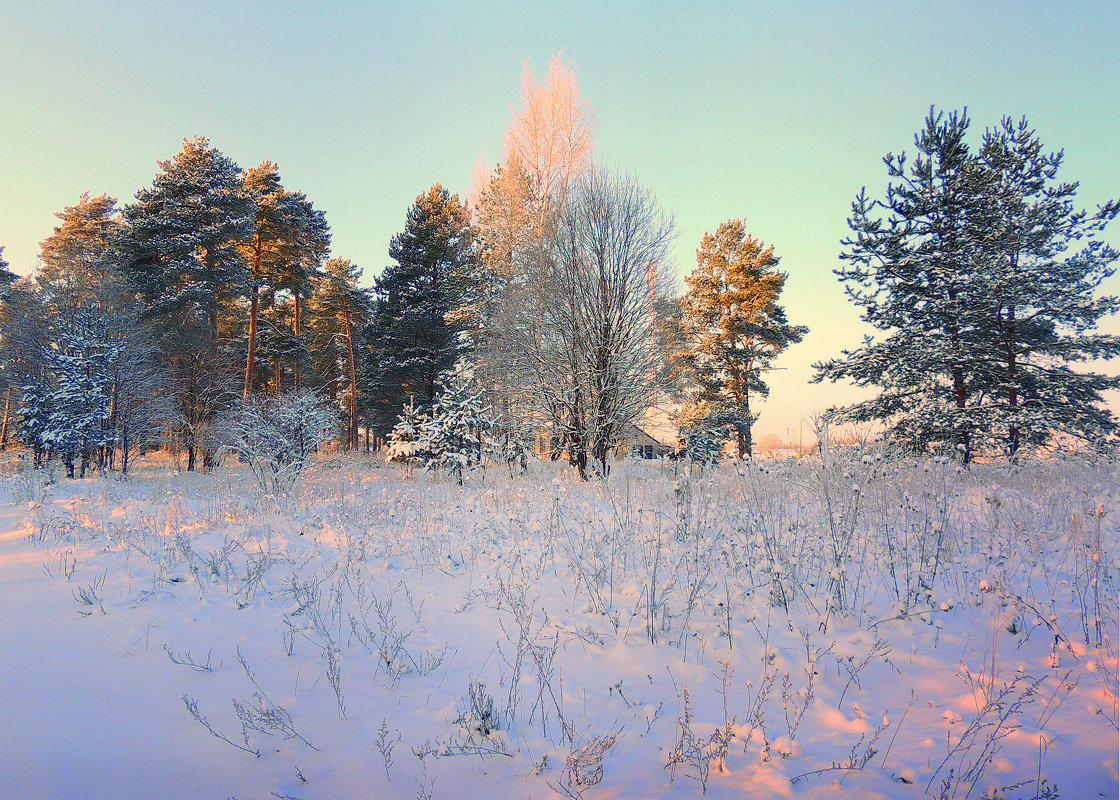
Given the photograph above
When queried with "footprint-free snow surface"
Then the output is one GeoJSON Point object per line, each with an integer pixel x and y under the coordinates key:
{"type": "Point", "coordinates": [848, 627]}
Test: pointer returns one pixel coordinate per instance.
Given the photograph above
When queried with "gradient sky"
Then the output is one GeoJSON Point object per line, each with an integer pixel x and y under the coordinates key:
{"type": "Point", "coordinates": [776, 112]}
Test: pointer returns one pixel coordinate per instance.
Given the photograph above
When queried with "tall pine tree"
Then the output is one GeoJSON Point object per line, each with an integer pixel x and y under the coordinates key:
{"type": "Point", "coordinates": [341, 308]}
{"type": "Point", "coordinates": [425, 305]}
{"type": "Point", "coordinates": [910, 265]}
{"type": "Point", "coordinates": [732, 329]}
{"type": "Point", "coordinates": [979, 275]}
{"type": "Point", "coordinates": [78, 267]}
{"type": "Point", "coordinates": [287, 245]}
{"type": "Point", "coordinates": [180, 248]}
{"type": "Point", "coordinates": [1040, 266]}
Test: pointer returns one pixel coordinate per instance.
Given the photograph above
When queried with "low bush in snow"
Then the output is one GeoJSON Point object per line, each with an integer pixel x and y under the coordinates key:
{"type": "Point", "coordinates": [275, 436]}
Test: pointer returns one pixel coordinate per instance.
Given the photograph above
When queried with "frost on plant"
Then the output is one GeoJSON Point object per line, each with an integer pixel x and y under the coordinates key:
{"type": "Point", "coordinates": [276, 436]}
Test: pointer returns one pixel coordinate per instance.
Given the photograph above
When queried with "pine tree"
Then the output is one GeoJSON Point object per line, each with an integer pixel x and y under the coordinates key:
{"type": "Point", "coordinates": [732, 329]}
{"type": "Point", "coordinates": [289, 240]}
{"type": "Point", "coordinates": [341, 309]}
{"type": "Point", "coordinates": [179, 247]}
{"type": "Point", "coordinates": [910, 271]}
{"type": "Point", "coordinates": [182, 235]}
{"type": "Point", "coordinates": [424, 301]}
{"type": "Point", "coordinates": [1041, 263]}
{"type": "Point", "coordinates": [78, 265]}
{"type": "Point", "coordinates": [961, 269]}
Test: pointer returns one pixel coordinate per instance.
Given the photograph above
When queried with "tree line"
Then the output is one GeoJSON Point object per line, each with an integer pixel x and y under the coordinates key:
{"type": "Point", "coordinates": [546, 304]}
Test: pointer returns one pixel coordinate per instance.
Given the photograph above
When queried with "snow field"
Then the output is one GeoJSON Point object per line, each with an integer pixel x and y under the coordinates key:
{"type": "Point", "coordinates": [856, 626]}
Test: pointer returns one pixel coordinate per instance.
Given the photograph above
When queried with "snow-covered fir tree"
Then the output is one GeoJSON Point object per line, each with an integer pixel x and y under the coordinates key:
{"type": "Point", "coordinates": [35, 410]}
{"type": "Point", "coordinates": [980, 276]}
{"type": "Point", "coordinates": [406, 440]}
{"type": "Point", "coordinates": [9, 355]}
{"type": "Point", "coordinates": [78, 420]}
{"type": "Point", "coordinates": [703, 441]}
{"type": "Point", "coordinates": [511, 443]}
{"type": "Point", "coordinates": [456, 432]}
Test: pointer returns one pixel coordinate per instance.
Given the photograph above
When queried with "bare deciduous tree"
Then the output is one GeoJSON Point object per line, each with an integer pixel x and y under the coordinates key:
{"type": "Point", "coordinates": [517, 207]}
{"type": "Point", "coordinates": [581, 341]}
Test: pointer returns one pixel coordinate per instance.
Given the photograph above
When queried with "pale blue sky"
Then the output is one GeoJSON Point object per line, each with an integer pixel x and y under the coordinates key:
{"type": "Point", "coordinates": [777, 112]}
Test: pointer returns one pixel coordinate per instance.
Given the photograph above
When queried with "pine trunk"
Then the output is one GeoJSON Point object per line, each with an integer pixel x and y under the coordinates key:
{"type": "Point", "coordinates": [960, 395]}
{"type": "Point", "coordinates": [1012, 389]}
{"type": "Point", "coordinates": [254, 307]}
{"type": "Point", "coordinates": [352, 438]}
{"type": "Point", "coordinates": [7, 416]}
{"type": "Point", "coordinates": [296, 331]}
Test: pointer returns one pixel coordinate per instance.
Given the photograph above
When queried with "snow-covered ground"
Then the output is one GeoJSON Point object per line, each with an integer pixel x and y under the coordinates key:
{"type": "Point", "coordinates": [865, 627]}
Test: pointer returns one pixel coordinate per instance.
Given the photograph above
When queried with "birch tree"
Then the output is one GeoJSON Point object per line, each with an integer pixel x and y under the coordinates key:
{"type": "Point", "coordinates": [549, 145]}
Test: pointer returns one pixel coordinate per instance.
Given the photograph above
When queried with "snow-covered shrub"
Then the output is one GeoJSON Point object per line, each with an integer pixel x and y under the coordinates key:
{"type": "Point", "coordinates": [276, 435]}
{"type": "Point", "coordinates": [406, 442]}
{"type": "Point", "coordinates": [512, 445]}
{"type": "Point", "coordinates": [703, 442]}
{"type": "Point", "coordinates": [478, 716]}
{"type": "Point", "coordinates": [69, 412]}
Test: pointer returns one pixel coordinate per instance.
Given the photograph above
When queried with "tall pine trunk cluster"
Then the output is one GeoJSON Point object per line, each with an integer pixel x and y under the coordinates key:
{"type": "Point", "coordinates": [212, 293]}
{"type": "Point", "coordinates": [151, 324]}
